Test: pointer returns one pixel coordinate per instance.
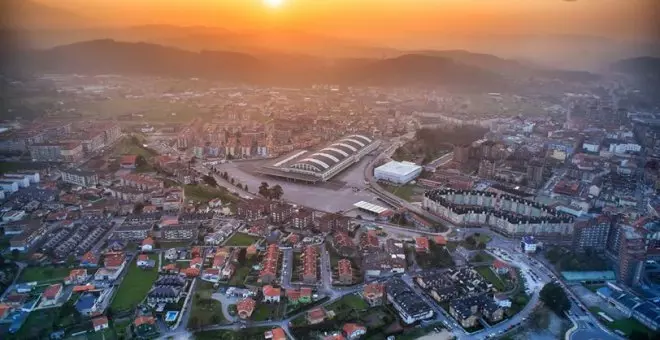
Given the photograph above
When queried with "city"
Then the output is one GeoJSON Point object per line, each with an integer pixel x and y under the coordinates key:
{"type": "Point", "coordinates": [224, 202]}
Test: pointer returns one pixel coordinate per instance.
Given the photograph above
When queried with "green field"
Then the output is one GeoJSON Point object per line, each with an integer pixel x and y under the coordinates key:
{"type": "Point", "coordinates": [482, 257]}
{"type": "Point", "coordinates": [242, 334]}
{"type": "Point", "coordinates": [265, 311]}
{"type": "Point", "coordinates": [150, 109]}
{"type": "Point", "coordinates": [625, 325]}
{"type": "Point", "coordinates": [38, 324]}
{"type": "Point", "coordinates": [491, 277]}
{"type": "Point", "coordinates": [405, 192]}
{"type": "Point", "coordinates": [205, 193]}
{"type": "Point", "coordinates": [239, 277]}
{"type": "Point", "coordinates": [241, 240]}
{"type": "Point", "coordinates": [132, 146]}
{"type": "Point", "coordinates": [205, 310]}
{"type": "Point", "coordinates": [135, 286]}
{"type": "Point", "coordinates": [348, 302]}
{"type": "Point", "coordinates": [42, 274]}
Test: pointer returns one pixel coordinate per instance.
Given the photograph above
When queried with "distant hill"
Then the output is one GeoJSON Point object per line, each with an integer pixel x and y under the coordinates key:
{"type": "Point", "coordinates": [641, 66]}
{"type": "Point", "coordinates": [21, 14]}
{"type": "Point", "coordinates": [109, 56]}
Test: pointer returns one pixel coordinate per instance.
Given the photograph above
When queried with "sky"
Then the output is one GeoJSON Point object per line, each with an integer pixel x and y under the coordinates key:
{"type": "Point", "coordinates": [388, 20]}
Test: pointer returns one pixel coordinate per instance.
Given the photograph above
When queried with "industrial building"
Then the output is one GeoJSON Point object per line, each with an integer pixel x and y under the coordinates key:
{"type": "Point", "coordinates": [397, 172]}
{"type": "Point", "coordinates": [323, 164]}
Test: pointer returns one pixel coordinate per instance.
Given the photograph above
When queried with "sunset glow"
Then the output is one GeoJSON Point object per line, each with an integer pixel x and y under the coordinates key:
{"type": "Point", "coordinates": [273, 3]}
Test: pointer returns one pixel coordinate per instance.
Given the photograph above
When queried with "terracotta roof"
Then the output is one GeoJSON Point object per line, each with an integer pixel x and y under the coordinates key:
{"type": "Point", "coordinates": [148, 241]}
{"type": "Point", "coordinates": [269, 290]}
{"type": "Point", "coordinates": [113, 259]}
{"type": "Point", "coordinates": [101, 320]}
{"type": "Point", "coordinates": [83, 288]}
{"type": "Point", "coordinates": [305, 291]}
{"type": "Point", "coordinates": [345, 267]}
{"type": "Point", "coordinates": [143, 257]}
{"type": "Point", "coordinates": [90, 257]}
{"type": "Point", "coordinates": [245, 306]}
{"type": "Point", "coordinates": [191, 272]}
{"type": "Point", "coordinates": [128, 159]}
{"type": "Point", "coordinates": [141, 320]}
{"type": "Point", "coordinates": [52, 291]}
{"type": "Point", "coordinates": [349, 328]}
{"type": "Point", "coordinates": [497, 264]}
{"type": "Point", "coordinates": [422, 243]}
{"type": "Point", "coordinates": [278, 334]}
{"type": "Point", "coordinates": [440, 240]}
{"type": "Point", "coordinates": [75, 273]}
{"type": "Point", "coordinates": [316, 313]}
{"type": "Point", "coordinates": [195, 261]}
{"type": "Point", "coordinates": [374, 289]}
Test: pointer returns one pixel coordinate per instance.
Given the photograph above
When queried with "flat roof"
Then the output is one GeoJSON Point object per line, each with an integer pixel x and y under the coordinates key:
{"type": "Point", "coordinates": [376, 209]}
{"type": "Point", "coordinates": [606, 275]}
{"type": "Point", "coordinates": [399, 168]}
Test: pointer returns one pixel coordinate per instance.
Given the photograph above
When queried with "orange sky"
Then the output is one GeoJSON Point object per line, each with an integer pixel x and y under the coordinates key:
{"type": "Point", "coordinates": [379, 19]}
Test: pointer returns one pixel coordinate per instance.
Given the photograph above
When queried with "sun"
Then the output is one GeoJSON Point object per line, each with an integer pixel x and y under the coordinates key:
{"type": "Point", "coordinates": [273, 3]}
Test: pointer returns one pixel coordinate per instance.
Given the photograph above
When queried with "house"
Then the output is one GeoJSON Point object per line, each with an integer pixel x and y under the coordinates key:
{"type": "Point", "coordinates": [171, 254]}
{"type": "Point", "coordinates": [502, 300]}
{"type": "Point", "coordinates": [500, 267]}
{"type": "Point", "coordinates": [170, 269]}
{"type": "Point", "coordinates": [83, 288]}
{"type": "Point", "coordinates": [76, 276]}
{"type": "Point", "coordinates": [374, 294]}
{"type": "Point", "coordinates": [310, 259]}
{"type": "Point", "coordinates": [114, 260]}
{"type": "Point", "coordinates": [316, 315]}
{"type": "Point", "coordinates": [5, 309]}
{"type": "Point", "coordinates": [299, 296]}
{"type": "Point", "coordinates": [128, 162]}
{"type": "Point", "coordinates": [440, 240]}
{"type": "Point", "coordinates": [196, 262]}
{"type": "Point", "coordinates": [228, 271]}
{"type": "Point", "coordinates": [422, 245]}
{"type": "Point", "coordinates": [144, 326]}
{"type": "Point", "coordinates": [100, 323]}
{"type": "Point", "coordinates": [467, 311]}
{"type": "Point", "coordinates": [51, 295]}
{"type": "Point", "coordinates": [269, 264]}
{"type": "Point", "coordinates": [89, 260]}
{"type": "Point", "coordinates": [164, 294]}
{"type": "Point", "coordinates": [275, 334]}
{"type": "Point", "coordinates": [245, 308]}
{"type": "Point", "coordinates": [345, 271]}
{"type": "Point", "coordinates": [354, 331]}
{"type": "Point", "coordinates": [271, 294]}
{"type": "Point", "coordinates": [148, 244]}
{"type": "Point", "coordinates": [191, 272]}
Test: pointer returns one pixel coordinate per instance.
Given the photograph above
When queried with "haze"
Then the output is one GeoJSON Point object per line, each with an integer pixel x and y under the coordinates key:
{"type": "Point", "coordinates": [542, 30]}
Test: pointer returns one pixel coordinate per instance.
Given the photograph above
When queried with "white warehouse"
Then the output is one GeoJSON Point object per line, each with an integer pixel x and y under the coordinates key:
{"type": "Point", "coordinates": [397, 172]}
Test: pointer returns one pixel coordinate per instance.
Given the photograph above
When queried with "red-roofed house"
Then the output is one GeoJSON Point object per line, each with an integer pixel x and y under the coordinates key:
{"type": "Point", "coordinates": [51, 294]}
{"type": "Point", "coordinates": [245, 308]}
{"type": "Point", "coordinates": [84, 288]}
{"type": "Point", "coordinates": [89, 260]}
{"type": "Point", "coordinates": [345, 271]}
{"type": "Point", "coordinates": [353, 330]}
{"type": "Point", "coordinates": [142, 260]}
{"type": "Point", "coordinates": [100, 323]}
{"type": "Point", "coordinates": [440, 240]}
{"type": "Point", "coordinates": [269, 264]}
{"type": "Point", "coordinates": [373, 293]}
{"type": "Point", "coordinates": [148, 244]}
{"type": "Point", "coordinates": [271, 294]}
{"type": "Point", "coordinates": [422, 245]}
{"type": "Point", "coordinates": [191, 272]}
{"type": "Point", "coordinates": [309, 271]}
{"type": "Point", "coordinates": [128, 162]}
{"type": "Point", "coordinates": [196, 262]}
{"type": "Point", "coordinates": [76, 276]}
{"type": "Point", "coordinates": [316, 315]}
{"type": "Point", "coordinates": [114, 260]}
{"type": "Point", "coordinates": [170, 268]}
{"type": "Point", "coordinates": [500, 267]}
{"type": "Point", "coordinates": [275, 334]}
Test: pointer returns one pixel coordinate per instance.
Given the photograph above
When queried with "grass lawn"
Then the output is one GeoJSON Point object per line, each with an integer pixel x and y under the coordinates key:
{"type": "Point", "coordinates": [37, 324]}
{"type": "Point", "coordinates": [205, 309]}
{"type": "Point", "coordinates": [135, 286]}
{"type": "Point", "coordinates": [491, 277]}
{"type": "Point", "coordinates": [265, 311]}
{"type": "Point", "coordinates": [127, 146]}
{"type": "Point", "coordinates": [243, 334]}
{"type": "Point", "coordinates": [239, 276]}
{"type": "Point", "coordinates": [240, 240]}
{"type": "Point", "coordinates": [405, 192]}
{"type": "Point", "coordinates": [30, 274]}
{"type": "Point", "coordinates": [205, 193]}
{"type": "Point", "coordinates": [348, 302]}
{"type": "Point", "coordinates": [482, 257]}
{"type": "Point", "coordinates": [625, 325]}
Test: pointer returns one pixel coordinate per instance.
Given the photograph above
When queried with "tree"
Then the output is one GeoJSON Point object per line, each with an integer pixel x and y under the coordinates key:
{"type": "Point", "coordinates": [194, 323]}
{"type": "Point", "coordinates": [263, 190]}
{"type": "Point", "coordinates": [276, 192]}
{"type": "Point", "coordinates": [15, 254]}
{"type": "Point", "coordinates": [245, 187]}
{"type": "Point", "coordinates": [210, 181]}
{"type": "Point", "coordinates": [554, 297]}
{"type": "Point", "coordinates": [232, 181]}
{"type": "Point", "coordinates": [638, 335]}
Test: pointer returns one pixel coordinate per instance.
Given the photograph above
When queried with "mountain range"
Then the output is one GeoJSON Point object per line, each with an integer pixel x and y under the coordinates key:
{"type": "Point", "coordinates": [454, 69]}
